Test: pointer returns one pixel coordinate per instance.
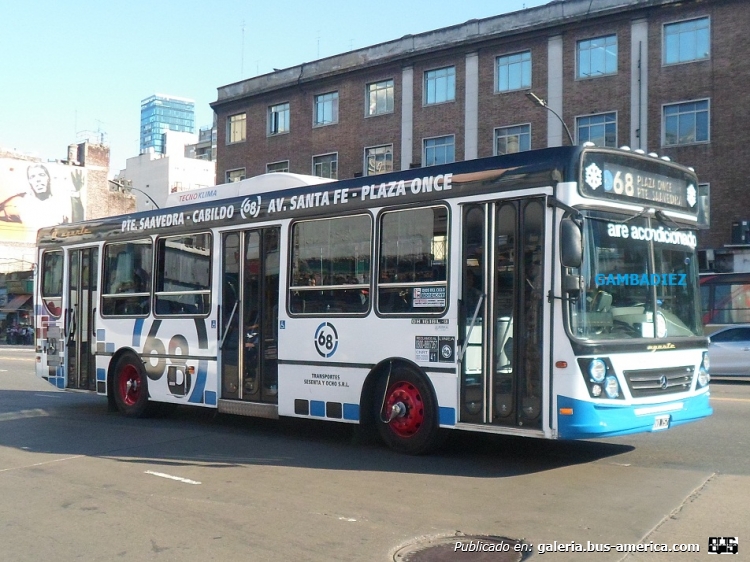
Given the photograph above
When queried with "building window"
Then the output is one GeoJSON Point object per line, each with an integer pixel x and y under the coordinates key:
{"type": "Point", "coordinates": [380, 98]}
{"type": "Point", "coordinates": [234, 175]}
{"type": "Point", "coordinates": [686, 123]}
{"type": "Point", "coordinates": [236, 128]}
{"type": "Point", "coordinates": [440, 85]}
{"type": "Point", "coordinates": [440, 150]}
{"type": "Point", "coordinates": [282, 166]}
{"type": "Point", "coordinates": [183, 275]}
{"type": "Point", "coordinates": [326, 166]}
{"type": "Point", "coordinates": [412, 276]}
{"type": "Point", "coordinates": [378, 160]}
{"type": "Point", "coordinates": [331, 266]}
{"type": "Point", "coordinates": [512, 139]}
{"type": "Point", "coordinates": [687, 41]}
{"type": "Point", "coordinates": [327, 108]}
{"type": "Point", "coordinates": [514, 72]}
{"type": "Point", "coordinates": [597, 57]}
{"type": "Point", "coordinates": [704, 203]}
{"type": "Point", "coordinates": [278, 119]}
{"type": "Point", "coordinates": [600, 129]}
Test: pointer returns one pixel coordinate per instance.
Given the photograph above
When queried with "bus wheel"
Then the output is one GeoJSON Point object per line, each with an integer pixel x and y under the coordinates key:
{"type": "Point", "coordinates": [406, 412]}
{"type": "Point", "coordinates": [131, 388]}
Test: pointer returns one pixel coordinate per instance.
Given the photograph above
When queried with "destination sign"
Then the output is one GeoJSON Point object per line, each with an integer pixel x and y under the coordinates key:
{"type": "Point", "coordinates": [605, 178]}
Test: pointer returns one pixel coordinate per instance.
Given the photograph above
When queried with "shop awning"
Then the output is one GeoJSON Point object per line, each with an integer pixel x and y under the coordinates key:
{"type": "Point", "coordinates": [15, 303]}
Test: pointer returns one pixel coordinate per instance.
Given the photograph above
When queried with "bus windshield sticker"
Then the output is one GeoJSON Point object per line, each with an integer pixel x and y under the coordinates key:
{"type": "Point", "coordinates": [661, 234]}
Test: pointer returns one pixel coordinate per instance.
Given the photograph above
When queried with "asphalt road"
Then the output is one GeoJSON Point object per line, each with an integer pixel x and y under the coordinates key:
{"type": "Point", "coordinates": [80, 483]}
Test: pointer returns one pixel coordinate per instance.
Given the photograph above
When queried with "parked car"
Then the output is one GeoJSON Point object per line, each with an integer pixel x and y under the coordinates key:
{"type": "Point", "coordinates": [729, 351]}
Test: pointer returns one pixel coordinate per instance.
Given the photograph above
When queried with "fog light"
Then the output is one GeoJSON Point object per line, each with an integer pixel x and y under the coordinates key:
{"type": "Point", "coordinates": [596, 390]}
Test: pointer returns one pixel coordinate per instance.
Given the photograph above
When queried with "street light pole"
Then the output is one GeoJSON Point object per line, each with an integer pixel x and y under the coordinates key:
{"type": "Point", "coordinates": [541, 102]}
{"type": "Point", "coordinates": [126, 186]}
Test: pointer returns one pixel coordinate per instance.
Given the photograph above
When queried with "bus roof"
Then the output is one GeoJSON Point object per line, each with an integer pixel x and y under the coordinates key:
{"type": "Point", "coordinates": [258, 184]}
{"type": "Point", "coordinates": [284, 195]}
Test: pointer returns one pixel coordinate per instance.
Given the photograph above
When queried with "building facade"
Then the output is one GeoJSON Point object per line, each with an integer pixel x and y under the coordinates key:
{"type": "Point", "coordinates": [153, 176]}
{"type": "Point", "coordinates": [662, 76]}
{"type": "Point", "coordinates": [159, 114]}
{"type": "Point", "coordinates": [37, 193]}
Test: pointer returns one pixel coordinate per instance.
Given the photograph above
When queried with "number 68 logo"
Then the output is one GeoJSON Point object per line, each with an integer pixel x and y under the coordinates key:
{"type": "Point", "coordinates": [326, 339]}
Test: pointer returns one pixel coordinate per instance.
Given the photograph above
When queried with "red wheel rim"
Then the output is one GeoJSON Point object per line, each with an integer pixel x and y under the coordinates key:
{"type": "Point", "coordinates": [409, 395]}
{"type": "Point", "coordinates": [130, 385]}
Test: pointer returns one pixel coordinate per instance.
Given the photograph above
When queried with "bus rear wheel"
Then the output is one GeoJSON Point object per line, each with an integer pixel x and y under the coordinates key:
{"type": "Point", "coordinates": [406, 413]}
{"type": "Point", "coordinates": [130, 387]}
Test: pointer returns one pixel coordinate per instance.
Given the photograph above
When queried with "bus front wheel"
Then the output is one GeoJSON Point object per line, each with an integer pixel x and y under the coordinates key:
{"type": "Point", "coordinates": [131, 386]}
{"type": "Point", "coordinates": [406, 412]}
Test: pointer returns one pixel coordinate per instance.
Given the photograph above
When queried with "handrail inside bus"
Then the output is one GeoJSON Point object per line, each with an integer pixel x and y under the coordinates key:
{"type": "Point", "coordinates": [471, 325]}
{"type": "Point", "coordinates": [226, 327]}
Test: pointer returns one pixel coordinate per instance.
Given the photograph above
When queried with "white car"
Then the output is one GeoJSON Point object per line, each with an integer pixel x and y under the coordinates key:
{"type": "Point", "coordinates": [729, 351]}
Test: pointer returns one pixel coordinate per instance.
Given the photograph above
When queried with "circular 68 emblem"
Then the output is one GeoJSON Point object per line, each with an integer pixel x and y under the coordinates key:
{"type": "Point", "coordinates": [326, 339]}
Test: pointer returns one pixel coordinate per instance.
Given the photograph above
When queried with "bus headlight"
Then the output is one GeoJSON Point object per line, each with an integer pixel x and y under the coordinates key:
{"type": "Point", "coordinates": [612, 387]}
{"type": "Point", "coordinates": [597, 370]}
{"type": "Point", "coordinates": [703, 377]}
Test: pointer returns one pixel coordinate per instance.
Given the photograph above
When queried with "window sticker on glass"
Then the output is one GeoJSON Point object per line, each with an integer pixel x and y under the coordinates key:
{"type": "Point", "coordinates": [429, 296]}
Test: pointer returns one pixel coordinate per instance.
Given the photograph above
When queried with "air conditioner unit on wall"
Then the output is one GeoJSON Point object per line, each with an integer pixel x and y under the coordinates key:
{"type": "Point", "coordinates": [741, 232]}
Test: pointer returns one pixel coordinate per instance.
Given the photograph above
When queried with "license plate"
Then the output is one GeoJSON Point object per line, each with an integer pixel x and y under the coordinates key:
{"type": "Point", "coordinates": [661, 422]}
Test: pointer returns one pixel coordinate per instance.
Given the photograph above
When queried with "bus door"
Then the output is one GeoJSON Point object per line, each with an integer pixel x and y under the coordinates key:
{"type": "Point", "coordinates": [79, 318]}
{"type": "Point", "coordinates": [249, 315]}
{"type": "Point", "coordinates": [502, 290]}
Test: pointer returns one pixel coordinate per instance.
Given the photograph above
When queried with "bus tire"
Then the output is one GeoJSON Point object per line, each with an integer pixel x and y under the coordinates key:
{"type": "Point", "coordinates": [415, 431]}
{"type": "Point", "coordinates": [131, 387]}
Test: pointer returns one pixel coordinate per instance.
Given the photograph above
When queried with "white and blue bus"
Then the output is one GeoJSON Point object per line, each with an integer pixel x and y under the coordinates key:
{"type": "Point", "coordinates": [550, 293]}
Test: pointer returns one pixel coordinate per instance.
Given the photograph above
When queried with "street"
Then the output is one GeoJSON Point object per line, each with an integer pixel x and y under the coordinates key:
{"type": "Point", "coordinates": [79, 482]}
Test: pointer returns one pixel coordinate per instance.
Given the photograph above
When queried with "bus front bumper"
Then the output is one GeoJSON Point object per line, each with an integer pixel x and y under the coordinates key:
{"type": "Point", "coordinates": [591, 420]}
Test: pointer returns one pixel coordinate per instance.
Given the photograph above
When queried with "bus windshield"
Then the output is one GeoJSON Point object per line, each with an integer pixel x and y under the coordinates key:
{"type": "Point", "coordinates": [640, 280]}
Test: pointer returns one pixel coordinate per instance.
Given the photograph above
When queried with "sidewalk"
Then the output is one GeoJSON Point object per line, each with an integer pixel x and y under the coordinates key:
{"type": "Point", "coordinates": [722, 498]}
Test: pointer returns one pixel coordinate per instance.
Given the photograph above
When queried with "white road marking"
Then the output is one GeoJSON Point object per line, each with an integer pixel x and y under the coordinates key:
{"type": "Point", "coordinates": [21, 414]}
{"type": "Point", "coordinates": [178, 478]}
{"type": "Point", "coordinates": [40, 463]}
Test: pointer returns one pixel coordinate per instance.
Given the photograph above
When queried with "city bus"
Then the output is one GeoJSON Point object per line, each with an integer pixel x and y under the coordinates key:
{"type": "Point", "coordinates": [549, 293]}
{"type": "Point", "coordinates": [725, 299]}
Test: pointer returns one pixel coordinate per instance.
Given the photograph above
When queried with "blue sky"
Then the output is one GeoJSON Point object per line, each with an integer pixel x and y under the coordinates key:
{"type": "Point", "coordinates": [67, 67]}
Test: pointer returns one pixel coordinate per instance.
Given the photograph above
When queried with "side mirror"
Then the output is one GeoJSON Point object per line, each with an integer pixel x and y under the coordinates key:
{"type": "Point", "coordinates": [571, 243]}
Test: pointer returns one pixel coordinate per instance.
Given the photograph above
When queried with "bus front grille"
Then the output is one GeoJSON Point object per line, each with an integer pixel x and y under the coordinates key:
{"type": "Point", "coordinates": [655, 382]}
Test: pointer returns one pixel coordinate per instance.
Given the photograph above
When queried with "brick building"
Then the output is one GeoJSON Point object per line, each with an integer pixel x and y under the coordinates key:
{"type": "Point", "coordinates": [663, 76]}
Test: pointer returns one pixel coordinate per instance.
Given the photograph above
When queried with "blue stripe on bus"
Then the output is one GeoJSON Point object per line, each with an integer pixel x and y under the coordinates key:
{"type": "Point", "coordinates": [196, 397]}
{"type": "Point", "coordinates": [591, 420]}
{"type": "Point", "coordinates": [447, 416]}
{"type": "Point", "coordinates": [318, 408]}
{"type": "Point", "coordinates": [101, 374]}
{"type": "Point", "coordinates": [200, 330]}
{"type": "Point", "coordinates": [101, 335]}
{"type": "Point", "coordinates": [137, 329]}
{"type": "Point", "coordinates": [351, 411]}
{"type": "Point", "coordinates": [210, 397]}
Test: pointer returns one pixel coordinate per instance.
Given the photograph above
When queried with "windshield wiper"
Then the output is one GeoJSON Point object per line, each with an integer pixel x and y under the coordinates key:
{"type": "Point", "coordinates": [669, 221]}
